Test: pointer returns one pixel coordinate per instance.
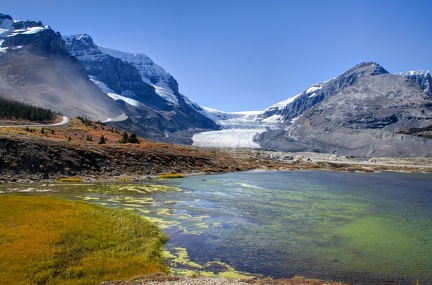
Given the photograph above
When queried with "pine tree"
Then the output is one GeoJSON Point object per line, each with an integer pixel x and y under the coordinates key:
{"type": "Point", "coordinates": [133, 139]}
{"type": "Point", "coordinates": [125, 138]}
{"type": "Point", "coordinates": [101, 140]}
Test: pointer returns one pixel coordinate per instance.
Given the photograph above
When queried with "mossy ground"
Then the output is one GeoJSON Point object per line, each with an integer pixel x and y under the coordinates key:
{"type": "Point", "coordinates": [45, 240]}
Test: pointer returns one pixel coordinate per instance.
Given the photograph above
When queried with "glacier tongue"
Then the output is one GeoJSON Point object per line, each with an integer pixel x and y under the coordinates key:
{"type": "Point", "coordinates": [239, 129]}
{"type": "Point", "coordinates": [229, 138]}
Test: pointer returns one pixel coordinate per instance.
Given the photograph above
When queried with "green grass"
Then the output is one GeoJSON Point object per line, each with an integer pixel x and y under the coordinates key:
{"type": "Point", "coordinates": [45, 240]}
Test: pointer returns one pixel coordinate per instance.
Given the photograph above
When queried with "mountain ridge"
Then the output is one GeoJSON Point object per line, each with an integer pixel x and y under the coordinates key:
{"type": "Point", "coordinates": [363, 119]}
{"type": "Point", "coordinates": [365, 101]}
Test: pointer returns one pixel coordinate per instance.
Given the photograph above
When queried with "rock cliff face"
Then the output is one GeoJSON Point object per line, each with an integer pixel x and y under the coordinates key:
{"type": "Point", "coordinates": [117, 76]}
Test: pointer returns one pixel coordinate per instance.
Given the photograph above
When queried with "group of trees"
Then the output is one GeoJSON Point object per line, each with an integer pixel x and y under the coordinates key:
{"type": "Point", "coordinates": [129, 139]}
{"type": "Point", "coordinates": [125, 139]}
{"type": "Point", "coordinates": [16, 110]}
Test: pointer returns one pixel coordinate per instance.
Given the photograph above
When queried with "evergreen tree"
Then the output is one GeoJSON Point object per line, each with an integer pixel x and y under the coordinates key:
{"type": "Point", "coordinates": [124, 138]}
{"type": "Point", "coordinates": [101, 140]}
{"type": "Point", "coordinates": [17, 110]}
{"type": "Point", "coordinates": [129, 139]}
{"type": "Point", "coordinates": [133, 139]}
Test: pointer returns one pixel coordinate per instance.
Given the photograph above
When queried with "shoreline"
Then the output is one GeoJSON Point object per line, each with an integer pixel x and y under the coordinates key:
{"type": "Point", "coordinates": [164, 279]}
{"type": "Point", "coordinates": [262, 166]}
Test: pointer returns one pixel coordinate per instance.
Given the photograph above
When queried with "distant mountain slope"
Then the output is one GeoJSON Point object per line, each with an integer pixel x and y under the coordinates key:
{"type": "Point", "coordinates": [361, 117]}
{"type": "Point", "coordinates": [290, 109]}
{"type": "Point", "coordinates": [156, 109]}
{"type": "Point", "coordinates": [35, 68]}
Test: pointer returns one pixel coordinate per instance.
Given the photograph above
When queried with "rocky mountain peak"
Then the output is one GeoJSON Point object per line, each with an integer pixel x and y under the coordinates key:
{"type": "Point", "coordinates": [365, 68]}
{"type": "Point", "coordinates": [421, 77]}
{"type": "Point", "coordinates": [27, 24]}
{"type": "Point", "coordinates": [82, 46]}
{"type": "Point", "coordinates": [40, 38]}
{"type": "Point", "coordinates": [6, 24]}
{"type": "Point", "coordinates": [6, 21]}
{"type": "Point", "coordinates": [288, 110]}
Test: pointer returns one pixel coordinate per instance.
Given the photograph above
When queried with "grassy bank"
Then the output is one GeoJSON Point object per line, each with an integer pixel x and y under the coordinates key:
{"type": "Point", "coordinates": [45, 240]}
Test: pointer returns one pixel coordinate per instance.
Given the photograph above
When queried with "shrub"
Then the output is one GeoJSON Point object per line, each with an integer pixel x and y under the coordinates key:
{"type": "Point", "coordinates": [69, 179]}
{"type": "Point", "coordinates": [172, 175]}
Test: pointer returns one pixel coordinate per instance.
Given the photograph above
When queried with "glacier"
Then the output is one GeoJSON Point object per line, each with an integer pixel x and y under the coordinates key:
{"type": "Point", "coordinates": [238, 129]}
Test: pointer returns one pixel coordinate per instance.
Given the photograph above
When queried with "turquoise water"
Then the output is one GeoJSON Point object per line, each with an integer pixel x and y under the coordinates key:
{"type": "Point", "coordinates": [353, 227]}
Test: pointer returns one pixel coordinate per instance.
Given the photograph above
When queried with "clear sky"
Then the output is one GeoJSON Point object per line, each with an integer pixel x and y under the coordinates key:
{"type": "Point", "coordinates": [238, 55]}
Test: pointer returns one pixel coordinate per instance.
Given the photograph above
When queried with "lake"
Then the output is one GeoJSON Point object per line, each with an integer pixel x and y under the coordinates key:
{"type": "Point", "coordinates": [354, 227]}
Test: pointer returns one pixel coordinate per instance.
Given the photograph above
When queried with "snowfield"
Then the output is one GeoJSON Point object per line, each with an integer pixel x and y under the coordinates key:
{"type": "Point", "coordinates": [230, 138]}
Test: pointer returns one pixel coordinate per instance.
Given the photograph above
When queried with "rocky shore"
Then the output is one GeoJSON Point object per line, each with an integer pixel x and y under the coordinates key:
{"type": "Point", "coordinates": [162, 279]}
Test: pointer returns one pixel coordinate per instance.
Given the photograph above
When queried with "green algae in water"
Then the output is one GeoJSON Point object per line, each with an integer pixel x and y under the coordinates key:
{"type": "Point", "coordinates": [350, 226]}
{"type": "Point", "coordinates": [181, 263]}
{"type": "Point", "coordinates": [381, 241]}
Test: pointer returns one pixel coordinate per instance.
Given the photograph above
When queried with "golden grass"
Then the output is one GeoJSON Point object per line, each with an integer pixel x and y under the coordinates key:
{"type": "Point", "coordinates": [172, 175]}
{"type": "Point", "coordinates": [45, 240]}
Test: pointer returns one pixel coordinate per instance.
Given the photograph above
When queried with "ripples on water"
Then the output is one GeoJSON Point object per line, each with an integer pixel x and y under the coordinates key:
{"type": "Point", "coordinates": [355, 227]}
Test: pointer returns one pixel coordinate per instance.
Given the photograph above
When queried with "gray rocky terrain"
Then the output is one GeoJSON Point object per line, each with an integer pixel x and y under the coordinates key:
{"type": "Point", "coordinates": [362, 117]}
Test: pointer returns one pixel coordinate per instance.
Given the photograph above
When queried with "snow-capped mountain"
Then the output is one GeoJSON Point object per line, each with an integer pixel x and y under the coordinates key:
{"type": "Point", "coordinates": [421, 77]}
{"type": "Point", "coordinates": [289, 110]}
{"type": "Point", "coordinates": [35, 68]}
{"type": "Point", "coordinates": [365, 112]}
{"type": "Point", "coordinates": [9, 27]}
{"type": "Point", "coordinates": [155, 107]}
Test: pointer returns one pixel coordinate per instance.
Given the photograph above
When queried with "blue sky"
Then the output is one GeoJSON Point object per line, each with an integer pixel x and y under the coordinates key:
{"type": "Point", "coordinates": [239, 55]}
